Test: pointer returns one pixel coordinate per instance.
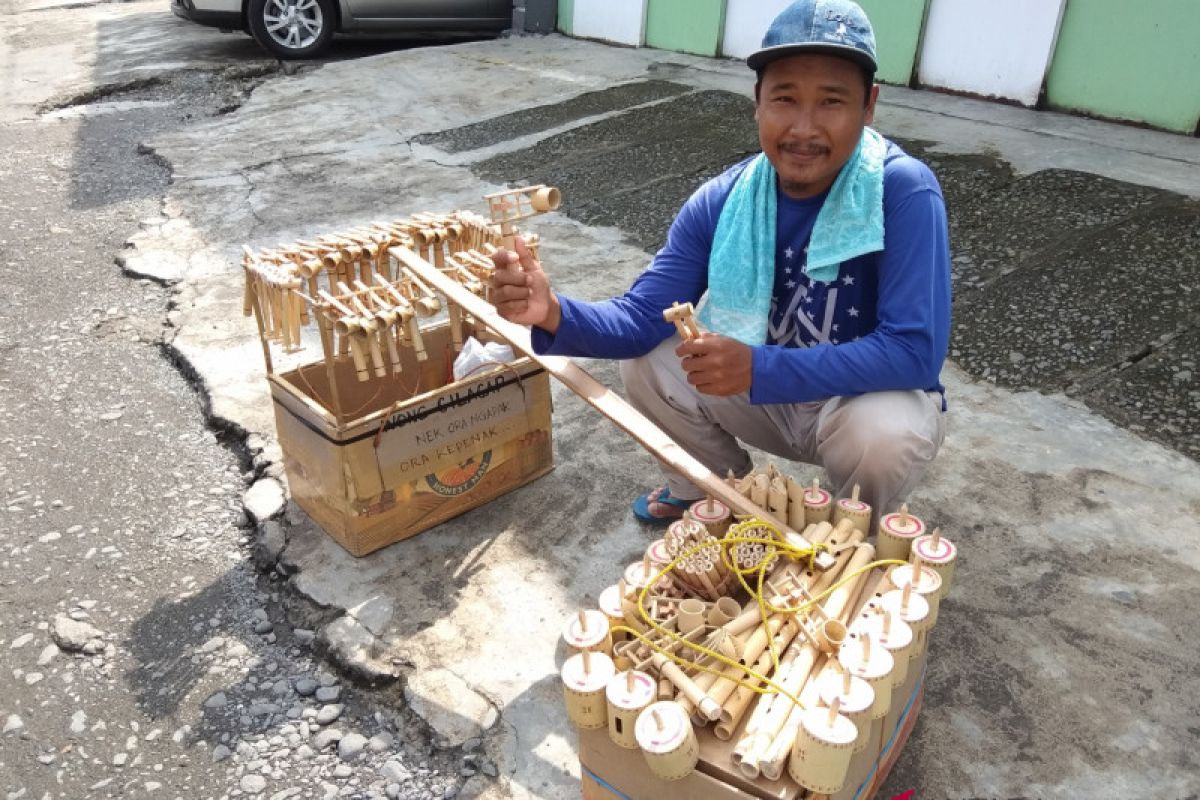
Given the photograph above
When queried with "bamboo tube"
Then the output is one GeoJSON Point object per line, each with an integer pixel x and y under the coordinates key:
{"type": "Point", "coordinates": [795, 516]}
{"type": "Point", "coordinates": [691, 615]}
{"type": "Point", "coordinates": [627, 694]}
{"type": "Point", "coordinates": [725, 610]}
{"type": "Point", "coordinates": [818, 503]}
{"type": "Point", "coordinates": [777, 499]}
{"type": "Point", "coordinates": [837, 604]}
{"type": "Point", "coordinates": [667, 740]}
{"type": "Point", "coordinates": [855, 698]}
{"type": "Point", "coordinates": [588, 630]}
{"type": "Point", "coordinates": [669, 669]}
{"type": "Point", "coordinates": [846, 537]}
{"type": "Point", "coordinates": [714, 515]}
{"type": "Point", "coordinates": [896, 533]}
{"type": "Point", "coordinates": [585, 678]}
{"type": "Point", "coordinates": [760, 489]}
{"type": "Point", "coordinates": [890, 632]}
{"type": "Point", "coordinates": [873, 664]}
{"type": "Point", "coordinates": [855, 510]}
{"type": "Point", "coordinates": [939, 554]}
{"type": "Point", "coordinates": [824, 746]}
{"type": "Point", "coordinates": [772, 758]}
{"type": "Point", "coordinates": [775, 718]}
{"type": "Point", "coordinates": [738, 701]}
{"type": "Point", "coordinates": [925, 581]}
{"type": "Point", "coordinates": [704, 682]}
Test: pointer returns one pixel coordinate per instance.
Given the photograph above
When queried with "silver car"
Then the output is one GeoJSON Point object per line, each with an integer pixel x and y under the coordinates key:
{"type": "Point", "coordinates": [303, 28]}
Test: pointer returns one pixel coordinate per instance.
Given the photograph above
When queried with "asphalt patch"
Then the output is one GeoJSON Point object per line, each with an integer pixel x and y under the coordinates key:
{"type": "Point", "coordinates": [543, 118]}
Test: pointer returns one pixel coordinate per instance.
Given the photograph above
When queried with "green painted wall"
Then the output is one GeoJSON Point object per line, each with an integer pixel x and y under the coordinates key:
{"type": "Point", "coordinates": [1137, 61]}
{"type": "Point", "coordinates": [566, 16]}
{"type": "Point", "coordinates": [898, 25]}
{"type": "Point", "coordinates": [690, 26]}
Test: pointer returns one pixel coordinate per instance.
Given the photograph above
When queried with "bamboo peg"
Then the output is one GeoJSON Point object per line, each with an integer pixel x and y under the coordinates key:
{"type": "Point", "coordinates": [836, 705]}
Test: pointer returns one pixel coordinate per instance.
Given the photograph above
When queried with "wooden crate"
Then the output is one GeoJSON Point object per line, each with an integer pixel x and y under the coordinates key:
{"type": "Point", "coordinates": [403, 457]}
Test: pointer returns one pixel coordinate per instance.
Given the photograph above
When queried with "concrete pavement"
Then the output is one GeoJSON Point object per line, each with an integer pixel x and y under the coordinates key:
{"type": "Point", "coordinates": [1061, 665]}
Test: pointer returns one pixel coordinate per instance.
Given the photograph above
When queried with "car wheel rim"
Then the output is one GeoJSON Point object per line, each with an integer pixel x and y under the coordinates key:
{"type": "Point", "coordinates": [294, 24]}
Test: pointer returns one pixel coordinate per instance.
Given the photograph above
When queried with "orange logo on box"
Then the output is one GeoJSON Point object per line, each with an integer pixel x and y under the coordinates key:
{"type": "Point", "coordinates": [461, 479]}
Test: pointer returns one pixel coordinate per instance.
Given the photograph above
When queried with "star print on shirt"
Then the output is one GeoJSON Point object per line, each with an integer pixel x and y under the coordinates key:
{"type": "Point", "coordinates": [788, 253]}
{"type": "Point", "coordinates": [790, 284]}
{"type": "Point", "coordinates": [852, 311]}
{"type": "Point", "coordinates": [848, 280]}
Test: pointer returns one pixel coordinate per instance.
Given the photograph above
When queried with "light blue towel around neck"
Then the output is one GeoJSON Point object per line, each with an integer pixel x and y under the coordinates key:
{"type": "Point", "coordinates": [741, 265]}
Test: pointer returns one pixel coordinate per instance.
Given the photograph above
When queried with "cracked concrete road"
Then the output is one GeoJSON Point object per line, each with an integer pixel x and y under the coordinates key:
{"type": "Point", "coordinates": [1063, 664]}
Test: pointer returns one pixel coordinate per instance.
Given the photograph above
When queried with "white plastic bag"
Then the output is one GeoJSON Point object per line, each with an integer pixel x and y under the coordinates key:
{"type": "Point", "coordinates": [475, 356]}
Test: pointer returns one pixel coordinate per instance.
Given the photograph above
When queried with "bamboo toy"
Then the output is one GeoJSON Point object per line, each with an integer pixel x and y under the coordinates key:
{"type": "Point", "coordinates": [795, 491]}
{"type": "Point", "coordinates": [896, 533]}
{"type": "Point", "coordinates": [818, 503]}
{"type": "Point", "coordinates": [691, 615]}
{"type": "Point", "coordinates": [912, 608]}
{"type": "Point", "coordinates": [385, 318]}
{"type": "Point", "coordinates": [370, 326]}
{"type": "Point", "coordinates": [939, 554]}
{"type": "Point", "coordinates": [628, 693]}
{"type": "Point", "coordinates": [854, 696]}
{"type": "Point", "coordinates": [821, 756]}
{"type": "Point", "coordinates": [925, 582]}
{"type": "Point", "coordinates": [890, 632]}
{"type": "Point", "coordinates": [777, 497]}
{"type": "Point", "coordinates": [610, 604]}
{"type": "Point", "coordinates": [684, 317]}
{"type": "Point", "coordinates": [874, 664]}
{"type": "Point", "coordinates": [509, 206]}
{"type": "Point", "coordinates": [408, 317]}
{"type": "Point", "coordinates": [350, 328]}
{"type": "Point", "coordinates": [588, 630]}
{"type": "Point", "coordinates": [658, 554]}
{"type": "Point", "coordinates": [585, 678]}
{"type": "Point", "coordinates": [712, 514]}
{"type": "Point", "coordinates": [668, 742]}
{"type": "Point", "coordinates": [855, 510]}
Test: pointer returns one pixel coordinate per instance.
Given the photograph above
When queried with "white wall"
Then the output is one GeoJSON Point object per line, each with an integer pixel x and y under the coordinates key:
{"type": "Point", "coordinates": [990, 48]}
{"type": "Point", "coordinates": [620, 21]}
{"type": "Point", "coordinates": [745, 23]}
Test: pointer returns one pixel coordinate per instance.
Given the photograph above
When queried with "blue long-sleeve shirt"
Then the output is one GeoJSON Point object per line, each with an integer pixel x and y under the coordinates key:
{"type": "Point", "coordinates": [883, 324]}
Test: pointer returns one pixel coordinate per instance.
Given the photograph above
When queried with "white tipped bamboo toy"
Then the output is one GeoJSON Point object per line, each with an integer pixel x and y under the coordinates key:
{"type": "Point", "coordinates": [588, 630]}
{"type": "Point", "coordinates": [925, 581]}
{"type": "Point", "coordinates": [585, 678]}
{"type": "Point", "coordinates": [913, 609]}
{"type": "Point", "coordinates": [874, 664]}
{"type": "Point", "coordinates": [854, 697]}
{"type": "Point", "coordinates": [668, 741]}
{"type": "Point", "coordinates": [628, 693]}
{"type": "Point", "coordinates": [939, 554]}
{"type": "Point", "coordinates": [824, 746]}
{"type": "Point", "coordinates": [514, 204]}
{"type": "Point", "coordinates": [891, 633]}
{"type": "Point", "coordinates": [855, 510]}
{"type": "Point", "coordinates": [896, 534]}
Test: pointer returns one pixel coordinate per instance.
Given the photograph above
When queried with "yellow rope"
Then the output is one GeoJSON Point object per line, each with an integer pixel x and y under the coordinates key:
{"type": "Point", "coordinates": [777, 547]}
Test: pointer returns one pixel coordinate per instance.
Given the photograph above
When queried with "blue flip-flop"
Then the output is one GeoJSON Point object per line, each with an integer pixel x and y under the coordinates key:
{"type": "Point", "coordinates": [641, 506]}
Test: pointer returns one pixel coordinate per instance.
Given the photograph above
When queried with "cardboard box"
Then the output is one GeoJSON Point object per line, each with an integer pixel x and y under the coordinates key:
{"type": "Point", "coordinates": [609, 772]}
{"type": "Point", "coordinates": [403, 457]}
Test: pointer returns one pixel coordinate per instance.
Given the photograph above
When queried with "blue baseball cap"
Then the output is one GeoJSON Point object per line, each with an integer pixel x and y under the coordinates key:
{"type": "Point", "coordinates": [831, 27]}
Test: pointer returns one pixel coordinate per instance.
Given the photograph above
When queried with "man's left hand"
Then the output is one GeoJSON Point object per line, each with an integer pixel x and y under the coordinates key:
{"type": "Point", "coordinates": [717, 365]}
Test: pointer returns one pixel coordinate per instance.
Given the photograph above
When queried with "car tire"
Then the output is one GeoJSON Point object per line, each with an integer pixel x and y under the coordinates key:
{"type": "Point", "coordinates": [292, 29]}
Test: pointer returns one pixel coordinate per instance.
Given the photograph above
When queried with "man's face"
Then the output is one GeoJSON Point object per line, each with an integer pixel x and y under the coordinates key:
{"type": "Point", "coordinates": [811, 110]}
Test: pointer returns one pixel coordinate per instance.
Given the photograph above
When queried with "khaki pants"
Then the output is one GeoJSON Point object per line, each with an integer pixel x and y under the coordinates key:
{"type": "Point", "coordinates": [881, 441]}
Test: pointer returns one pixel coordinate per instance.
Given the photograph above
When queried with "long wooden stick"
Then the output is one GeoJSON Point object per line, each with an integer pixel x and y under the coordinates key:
{"type": "Point", "coordinates": [600, 397]}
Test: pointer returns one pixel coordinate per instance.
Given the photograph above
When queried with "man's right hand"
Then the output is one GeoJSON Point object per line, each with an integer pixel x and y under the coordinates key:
{"type": "Point", "coordinates": [521, 291]}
